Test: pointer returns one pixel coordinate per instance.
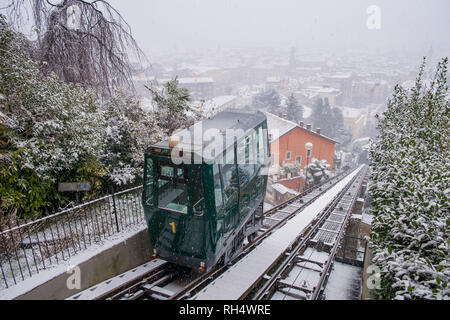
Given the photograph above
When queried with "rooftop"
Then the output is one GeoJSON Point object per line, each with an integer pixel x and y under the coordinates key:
{"type": "Point", "coordinates": [203, 134]}
{"type": "Point", "coordinates": [278, 127]}
{"type": "Point", "coordinates": [189, 80]}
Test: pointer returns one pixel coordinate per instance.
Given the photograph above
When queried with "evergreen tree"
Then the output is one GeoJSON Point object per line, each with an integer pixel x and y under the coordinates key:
{"type": "Point", "coordinates": [268, 100]}
{"type": "Point", "coordinates": [342, 134]}
{"type": "Point", "coordinates": [129, 131]}
{"type": "Point", "coordinates": [172, 104]}
{"type": "Point", "coordinates": [294, 109]}
{"type": "Point", "coordinates": [321, 116]}
{"type": "Point", "coordinates": [410, 188]}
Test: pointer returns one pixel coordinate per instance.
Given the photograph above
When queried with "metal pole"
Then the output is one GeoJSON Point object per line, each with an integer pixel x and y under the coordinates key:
{"type": "Point", "coordinates": [306, 171]}
{"type": "Point", "coordinates": [115, 209]}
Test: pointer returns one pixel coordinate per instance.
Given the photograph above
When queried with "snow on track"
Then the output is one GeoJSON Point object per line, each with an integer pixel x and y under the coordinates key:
{"type": "Point", "coordinates": [235, 282]}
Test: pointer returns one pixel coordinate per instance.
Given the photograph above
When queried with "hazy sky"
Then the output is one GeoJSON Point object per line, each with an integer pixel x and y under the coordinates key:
{"type": "Point", "coordinates": [161, 25]}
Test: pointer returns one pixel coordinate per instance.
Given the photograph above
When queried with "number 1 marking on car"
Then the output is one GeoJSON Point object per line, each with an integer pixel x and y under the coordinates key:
{"type": "Point", "coordinates": [173, 227]}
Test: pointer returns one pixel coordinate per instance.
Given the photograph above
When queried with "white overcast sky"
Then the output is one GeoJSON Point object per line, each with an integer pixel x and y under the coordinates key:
{"type": "Point", "coordinates": [184, 25]}
{"type": "Point", "coordinates": [161, 25]}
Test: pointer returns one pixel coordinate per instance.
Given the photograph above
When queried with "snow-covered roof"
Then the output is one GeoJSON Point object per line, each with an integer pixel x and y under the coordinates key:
{"type": "Point", "coordinates": [367, 218]}
{"type": "Point", "coordinates": [273, 80]}
{"type": "Point", "coordinates": [193, 138]}
{"type": "Point", "coordinates": [195, 80]}
{"type": "Point", "coordinates": [339, 76]}
{"type": "Point", "coordinates": [328, 90]}
{"type": "Point", "coordinates": [348, 112]}
{"type": "Point", "coordinates": [214, 105]}
{"type": "Point", "coordinates": [197, 68]}
{"type": "Point", "coordinates": [189, 80]}
{"type": "Point", "coordinates": [311, 92]}
{"type": "Point", "coordinates": [283, 190]}
{"type": "Point", "coordinates": [363, 140]}
{"type": "Point", "coordinates": [143, 78]}
{"type": "Point", "coordinates": [307, 112]}
{"type": "Point", "coordinates": [222, 100]}
{"type": "Point", "coordinates": [278, 127]}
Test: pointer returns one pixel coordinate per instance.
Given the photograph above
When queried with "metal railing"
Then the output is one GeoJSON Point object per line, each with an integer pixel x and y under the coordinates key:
{"type": "Point", "coordinates": [28, 247]}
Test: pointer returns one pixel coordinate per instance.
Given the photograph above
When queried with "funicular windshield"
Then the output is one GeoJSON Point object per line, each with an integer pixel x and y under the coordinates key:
{"type": "Point", "coordinates": [172, 184]}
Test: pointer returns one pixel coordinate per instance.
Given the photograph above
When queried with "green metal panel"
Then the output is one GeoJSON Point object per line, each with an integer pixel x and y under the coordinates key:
{"type": "Point", "coordinates": [194, 235]}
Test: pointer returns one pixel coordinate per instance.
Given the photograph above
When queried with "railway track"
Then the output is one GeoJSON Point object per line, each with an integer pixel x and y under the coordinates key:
{"type": "Point", "coordinates": [162, 280]}
{"type": "Point", "coordinates": [303, 272]}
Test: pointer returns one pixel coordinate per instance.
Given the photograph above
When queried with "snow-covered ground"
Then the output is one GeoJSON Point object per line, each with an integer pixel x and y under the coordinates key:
{"type": "Point", "coordinates": [344, 282]}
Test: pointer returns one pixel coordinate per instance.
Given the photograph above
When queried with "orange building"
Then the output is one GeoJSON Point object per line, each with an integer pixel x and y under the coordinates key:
{"type": "Point", "coordinates": [287, 147]}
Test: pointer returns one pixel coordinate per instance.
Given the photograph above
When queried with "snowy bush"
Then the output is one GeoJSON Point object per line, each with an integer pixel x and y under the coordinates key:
{"type": "Point", "coordinates": [56, 136]}
{"type": "Point", "coordinates": [410, 189]}
{"type": "Point", "coordinates": [129, 131]}
{"type": "Point", "coordinates": [173, 111]}
{"type": "Point", "coordinates": [317, 172]}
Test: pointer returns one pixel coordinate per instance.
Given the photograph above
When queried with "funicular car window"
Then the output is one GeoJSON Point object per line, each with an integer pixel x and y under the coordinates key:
{"type": "Point", "coordinates": [217, 187]}
{"type": "Point", "coordinates": [149, 182]}
{"type": "Point", "coordinates": [198, 199]}
{"type": "Point", "coordinates": [229, 175]}
{"type": "Point", "coordinates": [172, 187]}
{"type": "Point", "coordinates": [261, 146]}
{"type": "Point", "coordinates": [246, 158]}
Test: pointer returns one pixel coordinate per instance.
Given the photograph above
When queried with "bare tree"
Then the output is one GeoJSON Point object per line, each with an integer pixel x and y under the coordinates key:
{"type": "Point", "coordinates": [85, 42]}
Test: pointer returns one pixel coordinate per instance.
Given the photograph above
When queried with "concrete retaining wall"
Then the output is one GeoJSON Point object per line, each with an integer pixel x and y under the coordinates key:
{"type": "Point", "coordinates": [111, 262]}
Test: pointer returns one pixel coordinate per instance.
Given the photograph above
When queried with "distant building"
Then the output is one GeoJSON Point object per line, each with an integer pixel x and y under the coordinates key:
{"type": "Point", "coordinates": [343, 82]}
{"type": "Point", "coordinates": [325, 93]}
{"type": "Point", "coordinates": [215, 105]}
{"type": "Point", "coordinates": [273, 83]}
{"type": "Point", "coordinates": [199, 88]}
{"type": "Point", "coordinates": [356, 119]}
{"type": "Point", "coordinates": [369, 91]}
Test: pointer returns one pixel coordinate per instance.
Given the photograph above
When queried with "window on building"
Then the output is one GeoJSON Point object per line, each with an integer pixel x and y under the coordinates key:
{"type": "Point", "coordinates": [288, 155]}
{"type": "Point", "coordinates": [298, 160]}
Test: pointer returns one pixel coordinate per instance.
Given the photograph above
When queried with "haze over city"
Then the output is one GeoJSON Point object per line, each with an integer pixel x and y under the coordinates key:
{"type": "Point", "coordinates": [178, 25]}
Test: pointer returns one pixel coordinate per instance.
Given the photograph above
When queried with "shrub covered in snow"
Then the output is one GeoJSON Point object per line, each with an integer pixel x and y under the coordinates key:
{"type": "Point", "coordinates": [173, 111]}
{"type": "Point", "coordinates": [410, 189]}
{"type": "Point", "coordinates": [317, 172]}
{"type": "Point", "coordinates": [56, 131]}
{"type": "Point", "coordinates": [52, 131]}
{"type": "Point", "coordinates": [129, 131]}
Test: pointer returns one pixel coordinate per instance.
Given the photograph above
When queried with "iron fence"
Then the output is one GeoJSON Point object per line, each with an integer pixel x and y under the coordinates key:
{"type": "Point", "coordinates": [28, 247]}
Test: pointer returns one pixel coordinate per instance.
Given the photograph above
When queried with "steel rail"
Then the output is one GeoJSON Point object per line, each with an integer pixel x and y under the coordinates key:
{"type": "Point", "coordinates": [270, 284]}
{"type": "Point", "coordinates": [325, 273]}
{"type": "Point", "coordinates": [203, 280]}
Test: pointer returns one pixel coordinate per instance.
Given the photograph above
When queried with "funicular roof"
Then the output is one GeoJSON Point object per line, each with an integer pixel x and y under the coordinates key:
{"type": "Point", "coordinates": [212, 132]}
